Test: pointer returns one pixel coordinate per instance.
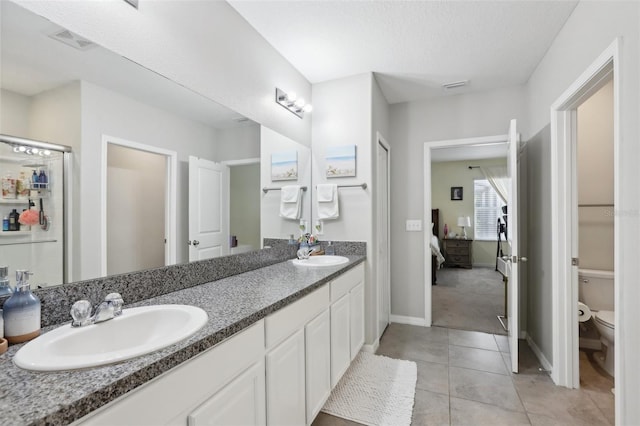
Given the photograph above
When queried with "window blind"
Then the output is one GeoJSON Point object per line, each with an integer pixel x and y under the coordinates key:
{"type": "Point", "coordinates": [487, 210]}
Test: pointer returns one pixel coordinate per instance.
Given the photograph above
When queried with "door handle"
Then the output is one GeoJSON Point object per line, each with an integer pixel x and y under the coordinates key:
{"type": "Point", "coordinates": [196, 243]}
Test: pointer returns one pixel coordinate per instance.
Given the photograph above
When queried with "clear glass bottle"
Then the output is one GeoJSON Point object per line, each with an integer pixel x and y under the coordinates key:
{"type": "Point", "coordinates": [5, 287]}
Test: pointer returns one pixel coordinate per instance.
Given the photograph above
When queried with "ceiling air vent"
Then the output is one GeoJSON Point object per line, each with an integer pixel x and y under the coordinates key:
{"type": "Point", "coordinates": [72, 39]}
{"type": "Point", "coordinates": [455, 84]}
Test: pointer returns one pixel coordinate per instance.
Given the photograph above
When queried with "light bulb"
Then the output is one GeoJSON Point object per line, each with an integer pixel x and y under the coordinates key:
{"type": "Point", "coordinates": [47, 152]}
{"type": "Point", "coordinates": [307, 108]}
{"type": "Point", "coordinates": [299, 103]}
{"type": "Point", "coordinates": [22, 149]}
{"type": "Point", "coordinates": [291, 97]}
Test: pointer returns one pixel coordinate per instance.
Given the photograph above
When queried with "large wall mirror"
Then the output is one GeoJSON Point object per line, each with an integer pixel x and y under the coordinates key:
{"type": "Point", "coordinates": [136, 137]}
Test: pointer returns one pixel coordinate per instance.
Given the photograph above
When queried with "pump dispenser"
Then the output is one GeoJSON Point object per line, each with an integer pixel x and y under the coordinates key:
{"type": "Point", "coordinates": [5, 288]}
{"type": "Point", "coordinates": [22, 311]}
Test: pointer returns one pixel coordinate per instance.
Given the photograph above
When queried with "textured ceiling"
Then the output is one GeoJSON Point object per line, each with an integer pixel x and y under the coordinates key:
{"type": "Point", "coordinates": [412, 46]}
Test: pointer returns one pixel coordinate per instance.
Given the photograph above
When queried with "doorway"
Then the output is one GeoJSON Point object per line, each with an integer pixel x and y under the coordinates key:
{"type": "Point", "coordinates": [513, 256]}
{"type": "Point", "coordinates": [138, 199]}
{"type": "Point", "coordinates": [383, 243]}
{"type": "Point", "coordinates": [244, 196]}
{"type": "Point", "coordinates": [564, 208]}
{"type": "Point", "coordinates": [468, 292]}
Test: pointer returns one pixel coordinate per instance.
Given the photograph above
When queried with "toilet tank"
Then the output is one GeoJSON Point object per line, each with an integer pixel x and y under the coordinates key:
{"type": "Point", "coordinates": [595, 289]}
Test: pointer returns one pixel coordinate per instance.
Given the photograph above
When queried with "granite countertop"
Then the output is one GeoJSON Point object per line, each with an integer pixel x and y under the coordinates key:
{"type": "Point", "coordinates": [232, 304]}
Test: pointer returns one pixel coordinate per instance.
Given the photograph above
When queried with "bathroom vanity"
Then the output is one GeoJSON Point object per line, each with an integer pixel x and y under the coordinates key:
{"type": "Point", "coordinates": [277, 340]}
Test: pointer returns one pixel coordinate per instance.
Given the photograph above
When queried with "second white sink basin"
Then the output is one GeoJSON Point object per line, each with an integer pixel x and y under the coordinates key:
{"type": "Point", "coordinates": [320, 261]}
{"type": "Point", "coordinates": [136, 332]}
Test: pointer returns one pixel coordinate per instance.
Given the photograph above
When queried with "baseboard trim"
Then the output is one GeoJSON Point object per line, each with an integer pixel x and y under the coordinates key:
{"type": "Point", "coordinates": [538, 353]}
{"type": "Point", "coordinates": [372, 348]}
{"type": "Point", "coordinates": [401, 319]}
{"type": "Point", "coordinates": [586, 343]}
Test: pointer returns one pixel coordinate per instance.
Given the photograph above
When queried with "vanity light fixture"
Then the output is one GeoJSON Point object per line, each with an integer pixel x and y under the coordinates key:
{"type": "Point", "coordinates": [292, 103]}
{"type": "Point", "coordinates": [31, 150]}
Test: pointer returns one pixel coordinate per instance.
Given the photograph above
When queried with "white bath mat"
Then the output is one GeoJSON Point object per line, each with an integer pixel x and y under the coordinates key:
{"type": "Point", "coordinates": [375, 391]}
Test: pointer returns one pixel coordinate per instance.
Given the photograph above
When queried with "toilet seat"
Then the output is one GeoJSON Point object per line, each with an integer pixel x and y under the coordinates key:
{"type": "Point", "coordinates": [606, 318]}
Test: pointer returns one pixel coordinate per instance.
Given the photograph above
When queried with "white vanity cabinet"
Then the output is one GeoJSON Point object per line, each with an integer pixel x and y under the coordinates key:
{"type": "Point", "coordinates": [279, 371]}
{"type": "Point", "coordinates": [347, 320]}
{"type": "Point", "coordinates": [318, 362]}
{"type": "Point", "coordinates": [227, 377]}
{"type": "Point", "coordinates": [288, 333]}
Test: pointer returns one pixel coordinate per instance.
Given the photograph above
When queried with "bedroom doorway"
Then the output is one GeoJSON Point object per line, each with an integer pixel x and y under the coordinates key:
{"type": "Point", "coordinates": [507, 145]}
{"type": "Point", "coordinates": [469, 293]}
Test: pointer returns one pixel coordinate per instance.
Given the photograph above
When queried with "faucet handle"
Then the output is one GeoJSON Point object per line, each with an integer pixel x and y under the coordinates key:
{"type": "Point", "coordinates": [115, 299]}
{"type": "Point", "coordinates": [80, 312]}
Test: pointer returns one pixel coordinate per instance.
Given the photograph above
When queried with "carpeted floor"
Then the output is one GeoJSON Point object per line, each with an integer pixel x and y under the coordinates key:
{"type": "Point", "coordinates": [468, 299]}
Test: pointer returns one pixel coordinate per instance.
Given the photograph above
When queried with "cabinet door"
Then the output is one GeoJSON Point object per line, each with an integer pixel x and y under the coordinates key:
{"type": "Point", "coordinates": [357, 319]}
{"type": "Point", "coordinates": [286, 382]}
{"type": "Point", "coordinates": [318, 357]}
{"type": "Point", "coordinates": [241, 402]}
{"type": "Point", "coordinates": [340, 340]}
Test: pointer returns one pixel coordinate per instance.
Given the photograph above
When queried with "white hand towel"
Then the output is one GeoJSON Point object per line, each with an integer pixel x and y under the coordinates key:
{"type": "Point", "coordinates": [290, 204]}
{"type": "Point", "coordinates": [327, 195]}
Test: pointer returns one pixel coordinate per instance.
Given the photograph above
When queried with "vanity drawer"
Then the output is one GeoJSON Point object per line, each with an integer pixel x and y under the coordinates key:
{"type": "Point", "coordinates": [286, 321]}
{"type": "Point", "coordinates": [345, 282]}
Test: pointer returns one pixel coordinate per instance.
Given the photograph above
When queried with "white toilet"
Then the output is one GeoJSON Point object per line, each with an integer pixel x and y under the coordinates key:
{"type": "Point", "coordinates": [596, 290]}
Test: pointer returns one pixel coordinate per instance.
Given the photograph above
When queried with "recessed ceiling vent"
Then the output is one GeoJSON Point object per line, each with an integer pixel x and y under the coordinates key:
{"type": "Point", "coordinates": [72, 39]}
{"type": "Point", "coordinates": [455, 84]}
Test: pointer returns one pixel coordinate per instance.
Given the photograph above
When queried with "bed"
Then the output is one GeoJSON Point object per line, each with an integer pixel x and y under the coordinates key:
{"type": "Point", "coordinates": [437, 258]}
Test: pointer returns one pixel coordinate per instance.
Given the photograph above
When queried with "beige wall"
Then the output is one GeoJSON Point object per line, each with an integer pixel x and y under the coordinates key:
{"type": "Point", "coordinates": [457, 173]}
{"type": "Point", "coordinates": [595, 180]}
{"type": "Point", "coordinates": [245, 204]}
{"type": "Point", "coordinates": [135, 209]}
{"type": "Point", "coordinates": [14, 116]}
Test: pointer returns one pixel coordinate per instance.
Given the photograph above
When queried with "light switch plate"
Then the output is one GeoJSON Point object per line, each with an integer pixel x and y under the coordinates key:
{"type": "Point", "coordinates": [414, 225]}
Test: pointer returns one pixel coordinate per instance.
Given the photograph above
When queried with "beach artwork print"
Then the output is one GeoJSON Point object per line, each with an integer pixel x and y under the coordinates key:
{"type": "Point", "coordinates": [341, 161]}
{"type": "Point", "coordinates": [284, 166]}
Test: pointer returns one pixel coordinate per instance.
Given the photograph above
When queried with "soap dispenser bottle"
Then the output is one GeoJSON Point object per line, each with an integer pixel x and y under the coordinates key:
{"type": "Point", "coordinates": [22, 311]}
{"type": "Point", "coordinates": [5, 288]}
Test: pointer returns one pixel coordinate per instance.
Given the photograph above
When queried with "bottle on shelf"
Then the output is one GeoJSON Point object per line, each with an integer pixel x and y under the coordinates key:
{"type": "Point", "coordinates": [34, 180]}
{"type": "Point", "coordinates": [42, 179]}
{"type": "Point", "coordinates": [5, 223]}
{"type": "Point", "coordinates": [14, 225]}
{"type": "Point", "coordinates": [22, 311]}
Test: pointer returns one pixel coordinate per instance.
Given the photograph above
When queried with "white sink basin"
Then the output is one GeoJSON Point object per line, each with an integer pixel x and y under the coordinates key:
{"type": "Point", "coordinates": [136, 332]}
{"type": "Point", "coordinates": [320, 261]}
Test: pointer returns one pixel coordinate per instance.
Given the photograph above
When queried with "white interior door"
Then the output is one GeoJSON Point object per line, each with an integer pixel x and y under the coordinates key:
{"type": "Point", "coordinates": [208, 209]}
{"type": "Point", "coordinates": [513, 283]}
{"type": "Point", "coordinates": [384, 284]}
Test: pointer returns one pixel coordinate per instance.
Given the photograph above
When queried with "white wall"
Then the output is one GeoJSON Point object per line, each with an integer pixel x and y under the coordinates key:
{"type": "Point", "coordinates": [203, 45]}
{"type": "Point", "coordinates": [271, 224]}
{"type": "Point", "coordinates": [590, 29]}
{"type": "Point", "coordinates": [14, 116]}
{"type": "Point", "coordinates": [413, 124]}
{"type": "Point", "coordinates": [595, 180]}
{"type": "Point", "coordinates": [108, 113]}
{"type": "Point", "coordinates": [238, 143]}
{"type": "Point", "coordinates": [348, 122]}
{"type": "Point", "coordinates": [135, 209]}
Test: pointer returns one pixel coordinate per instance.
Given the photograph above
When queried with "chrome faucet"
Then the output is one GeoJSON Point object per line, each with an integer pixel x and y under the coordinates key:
{"type": "Point", "coordinates": [110, 308]}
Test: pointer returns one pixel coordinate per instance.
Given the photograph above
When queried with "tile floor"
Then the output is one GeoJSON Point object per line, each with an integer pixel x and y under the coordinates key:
{"type": "Point", "coordinates": [464, 379]}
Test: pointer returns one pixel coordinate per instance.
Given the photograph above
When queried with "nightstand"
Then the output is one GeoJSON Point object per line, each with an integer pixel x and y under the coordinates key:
{"type": "Point", "coordinates": [458, 252]}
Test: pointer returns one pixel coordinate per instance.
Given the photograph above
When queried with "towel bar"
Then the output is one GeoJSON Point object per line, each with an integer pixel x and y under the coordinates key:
{"type": "Point", "coordinates": [361, 185]}
{"type": "Point", "coordinates": [265, 189]}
